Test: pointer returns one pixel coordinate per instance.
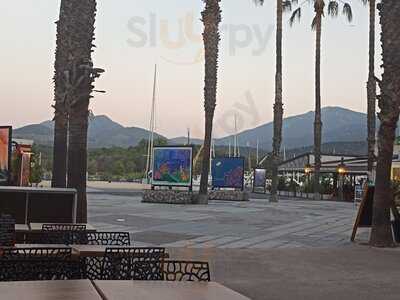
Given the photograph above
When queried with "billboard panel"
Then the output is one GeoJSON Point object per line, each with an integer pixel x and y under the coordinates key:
{"type": "Point", "coordinates": [259, 182]}
{"type": "Point", "coordinates": [5, 154]}
{"type": "Point", "coordinates": [228, 172]}
{"type": "Point", "coordinates": [172, 166]}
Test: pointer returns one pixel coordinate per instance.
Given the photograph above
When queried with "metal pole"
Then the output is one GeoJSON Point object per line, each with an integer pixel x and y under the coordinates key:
{"type": "Point", "coordinates": [149, 162]}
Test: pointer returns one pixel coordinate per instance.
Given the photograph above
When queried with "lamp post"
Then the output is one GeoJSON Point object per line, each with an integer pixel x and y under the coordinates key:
{"type": "Point", "coordinates": [341, 171]}
{"type": "Point", "coordinates": [308, 170]}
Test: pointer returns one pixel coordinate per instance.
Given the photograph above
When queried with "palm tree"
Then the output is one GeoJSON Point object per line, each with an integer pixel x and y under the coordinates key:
{"type": "Point", "coordinates": [371, 87]}
{"type": "Point", "coordinates": [319, 9]}
{"type": "Point", "coordinates": [389, 104]}
{"type": "Point", "coordinates": [79, 79]}
{"type": "Point", "coordinates": [60, 115]}
{"type": "Point", "coordinates": [211, 17]}
{"type": "Point", "coordinates": [281, 5]}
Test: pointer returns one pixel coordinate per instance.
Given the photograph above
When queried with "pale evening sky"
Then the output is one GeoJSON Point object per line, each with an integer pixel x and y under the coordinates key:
{"type": "Point", "coordinates": [132, 35]}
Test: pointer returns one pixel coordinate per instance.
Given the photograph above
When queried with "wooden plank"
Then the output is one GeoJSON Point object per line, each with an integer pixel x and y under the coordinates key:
{"type": "Point", "coordinates": [55, 290]}
{"type": "Point", "coordinates": [25, 246]}
{"type": "Point", "coordinates": [96, 250]}
{"type": "Point", "coordinates": [22, 228]}
{"type": "Point", "coordinates": [31, 190]}
{"type": "Point", "coordinates": [166, 290]}
{"type": "Point", "coordinates": [37, 227]}
{"type": "Point", "coordinates": [89, 250]}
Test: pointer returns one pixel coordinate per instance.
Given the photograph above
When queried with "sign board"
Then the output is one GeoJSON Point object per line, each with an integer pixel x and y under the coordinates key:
{"type": "Point", "coordinates": [228, 172]}
{"type": "Point", "coordinates": [172, 166]}
{"type": "Point", "coordinates": [358, 193]}
{"type": "Point", "coordinates": [364, 215]}
{"type": "Point", "coordinates": [5, 154]}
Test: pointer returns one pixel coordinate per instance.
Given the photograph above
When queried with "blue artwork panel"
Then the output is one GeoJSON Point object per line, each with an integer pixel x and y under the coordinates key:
{"type": "Point", "coordinates": [172, 166]}
{"type": "Point", "coordinates": [228, 172]}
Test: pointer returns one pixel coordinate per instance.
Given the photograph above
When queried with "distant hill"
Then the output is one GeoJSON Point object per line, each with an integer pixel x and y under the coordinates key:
{"type": "Point", "coordinates": [103, 132]}
{"type": "Point", "coordinates": [183, 140]}
{"type": "Point", "coordinates": [340, 126]}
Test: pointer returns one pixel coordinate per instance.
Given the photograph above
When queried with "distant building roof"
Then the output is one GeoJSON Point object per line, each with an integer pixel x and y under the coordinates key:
{"type": "Point", "coordinates": [23, 142]}
{"type": "Point", "coordinates": [329, 163]}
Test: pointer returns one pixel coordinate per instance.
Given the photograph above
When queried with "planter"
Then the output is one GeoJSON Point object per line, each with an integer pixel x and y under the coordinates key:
{"type": "Point", "coordinates": [396, 230]}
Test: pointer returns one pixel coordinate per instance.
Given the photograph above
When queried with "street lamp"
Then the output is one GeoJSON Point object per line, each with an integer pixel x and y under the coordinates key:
{"type": "Point", "coordinates": [308, 169]}
{"type": "Point", "coordinates": [341, 170]}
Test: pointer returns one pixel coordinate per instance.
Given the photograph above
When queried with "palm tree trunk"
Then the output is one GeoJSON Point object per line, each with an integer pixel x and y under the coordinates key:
{"type": "Point", "coordinates": [371, 88]}
{"type": "Point", "coordinates": [77, 153]}
{"type": "Point", "coordinates": [317, 121]}
{"type": "Point", "coordinates": [60, 116]}
{"type": "Point", "coordinates": [211, 18]}
{"type": "Point", "coordinates": [82, 76]}
{"type": "Point", "coordinates": [278, 106]}
{"type": "Point", "coordinates": [389, 102]}
{"type": "Point", "coordinates": [60, 150]}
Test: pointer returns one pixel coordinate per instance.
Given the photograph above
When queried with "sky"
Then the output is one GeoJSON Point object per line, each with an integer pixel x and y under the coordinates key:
{"type": "Point", "coordinates": [132, 36]}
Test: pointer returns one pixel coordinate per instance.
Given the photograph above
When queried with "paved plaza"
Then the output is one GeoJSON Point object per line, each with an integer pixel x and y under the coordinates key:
{"type": "Point", "coordinates": [294, 249]}
{"type": "Point", "coordinates": [257, 224]}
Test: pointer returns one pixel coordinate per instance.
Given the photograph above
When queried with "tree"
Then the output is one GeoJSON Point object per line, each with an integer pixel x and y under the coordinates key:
{"type": "Point", "coordinates": [278, 105]}
{"type": "Point", "coordinates": [79, 79]}
{"type": "Point", "coordinates": [371, 87]}
{"type": "Point", "coordinates": [211, 17]}
{"type": "Point", "coordinates": [319, 9]}
{"type": "Point", "coordinates": [389, 104]}
{"type": "Point", "coordinates": [60, 93]}
{"type": "Point", "coordinates": [36, 166]}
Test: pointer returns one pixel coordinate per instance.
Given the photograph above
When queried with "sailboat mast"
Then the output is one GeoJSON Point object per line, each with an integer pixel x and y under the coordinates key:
{"type": "Point", "coordinates": [154, 117]}
{"type": "Point", "coordinates": [257, 153]}
{"type": "Point", "coordinates": [235, 153]}
{"type": "Point", "coordinates": [149, 163]}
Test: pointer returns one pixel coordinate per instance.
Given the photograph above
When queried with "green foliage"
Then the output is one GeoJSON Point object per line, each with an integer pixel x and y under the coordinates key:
{"type": "Point", "coordinates": [36, 167]}
{"type": "Point", "coordinates": [326, 185]}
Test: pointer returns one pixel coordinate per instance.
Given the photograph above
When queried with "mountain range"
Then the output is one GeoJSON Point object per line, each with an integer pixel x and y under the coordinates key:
{"type": "Point", "coordinates": [339, 125]}
{"type": "Point", "coordinates": [103, 133]}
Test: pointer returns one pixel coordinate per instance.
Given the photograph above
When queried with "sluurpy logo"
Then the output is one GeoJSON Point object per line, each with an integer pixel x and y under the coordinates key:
{"type": "Point", "coordinates": [184, 35]}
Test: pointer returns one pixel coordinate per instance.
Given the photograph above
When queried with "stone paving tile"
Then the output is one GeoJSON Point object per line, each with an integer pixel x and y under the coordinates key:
{"type": "Point", "coordinates": [270, 244]}
{"type": "Point", "coordinates": [161, 237]}
{"type": "Point", "coordinates": [187, 243]}
{"type": "Point", "coordinates": [216, 242]}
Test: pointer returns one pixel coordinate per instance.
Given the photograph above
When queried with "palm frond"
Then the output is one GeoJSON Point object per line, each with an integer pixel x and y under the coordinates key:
{"type": "Point", "coordinates": [287, 6]}
{"type": "Point", "coordinates": [295, 15]}
{"type": "Point", "coordinates": [347, 11]}
{"type": "Point", "coordinates": [333, 8]}
{"type": "Point", "coordinates": [314, 23]}
{"type": "Point", "coordinates": [259, 2]}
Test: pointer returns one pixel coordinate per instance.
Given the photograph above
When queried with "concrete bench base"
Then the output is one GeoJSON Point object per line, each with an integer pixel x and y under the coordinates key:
{"type": "Point", "coordinates": [228, 195]}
